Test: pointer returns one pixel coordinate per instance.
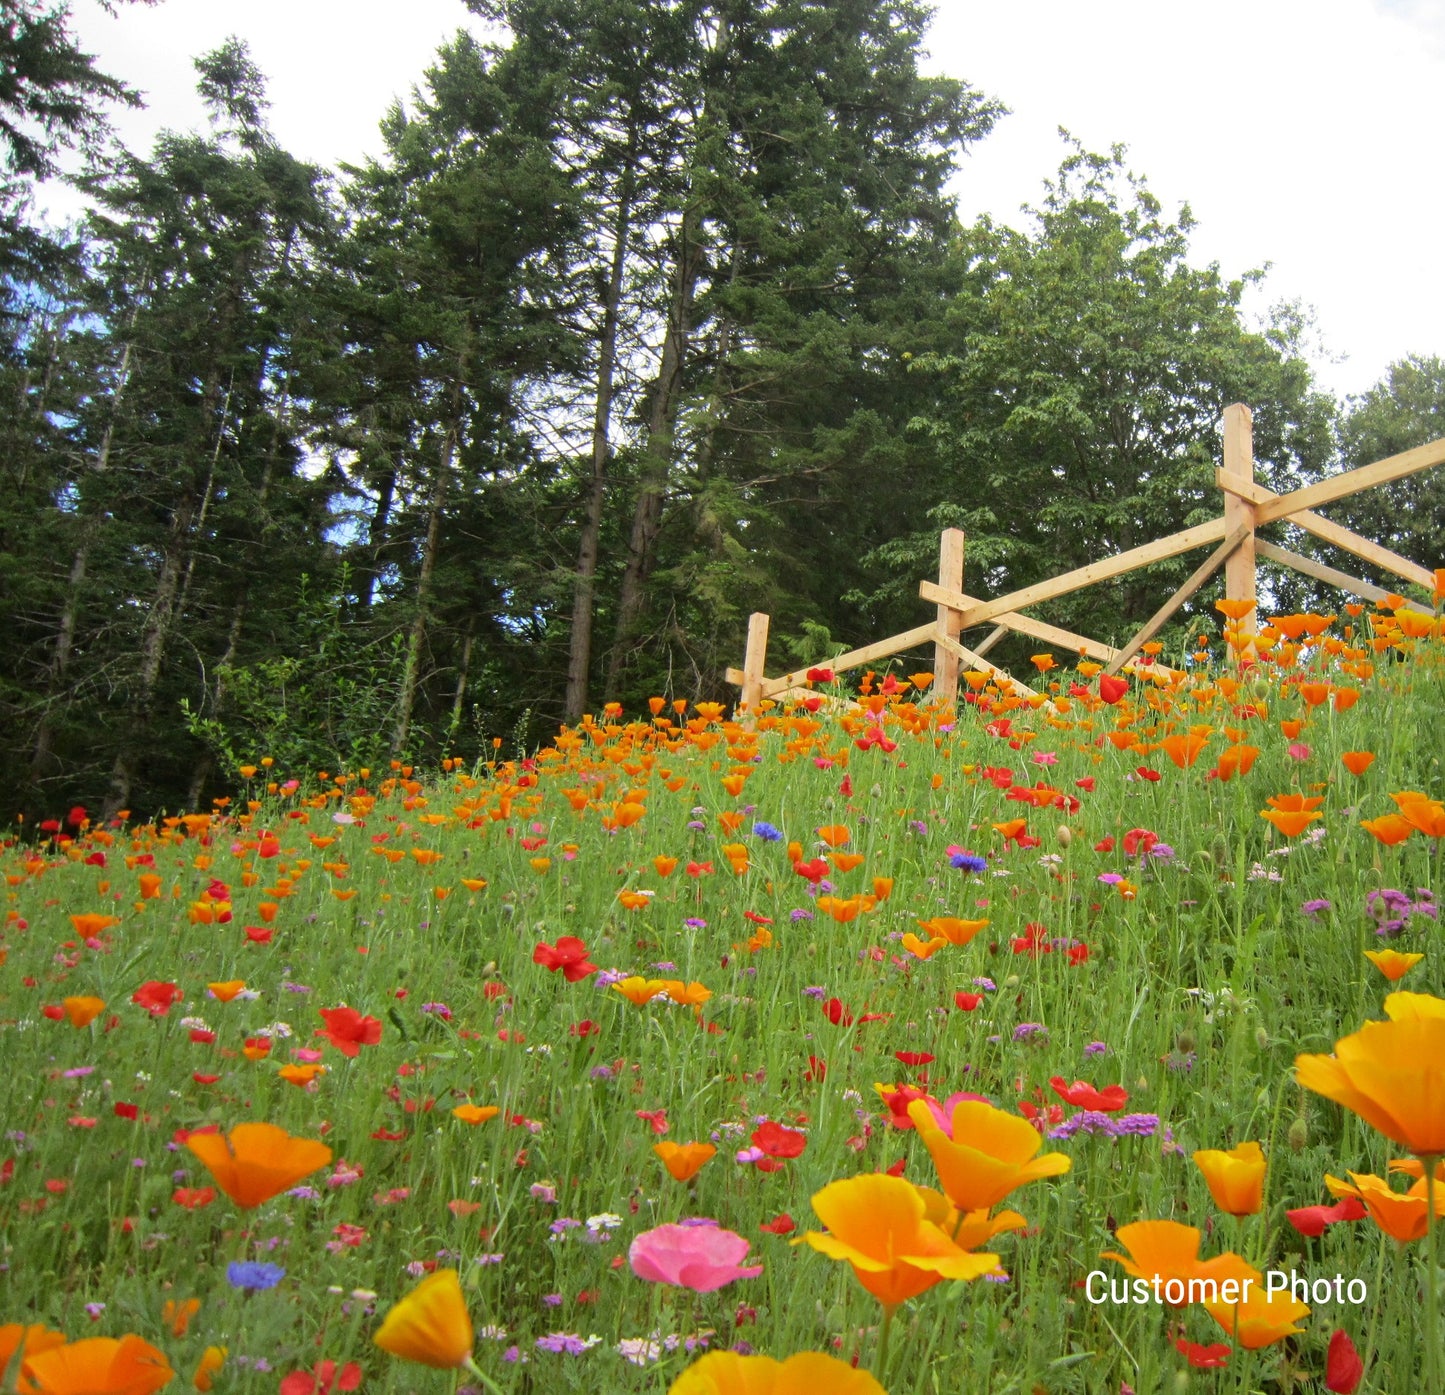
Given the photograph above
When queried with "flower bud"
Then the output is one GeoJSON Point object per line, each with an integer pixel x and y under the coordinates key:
{"type": "Point", "coordinates": [1299, 1134]}
{"type": "Point", "coordinates": [1261, 1038]}
{"type": "Point", "coordinates": [1065, 835]}
{"type": "Point", "coordinates": [1184, 1042]}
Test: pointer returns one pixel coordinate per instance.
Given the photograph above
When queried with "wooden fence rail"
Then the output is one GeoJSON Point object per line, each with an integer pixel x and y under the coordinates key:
{"type": "Point", "coordinates": [1247, 506]}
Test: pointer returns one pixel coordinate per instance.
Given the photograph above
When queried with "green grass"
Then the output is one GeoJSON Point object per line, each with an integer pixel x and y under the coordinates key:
{"type": "Point", "coordinates": [1203, 986]}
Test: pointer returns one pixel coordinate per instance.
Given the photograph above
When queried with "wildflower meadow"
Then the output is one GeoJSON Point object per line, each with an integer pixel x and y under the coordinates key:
{"type": "Point", "coordinates": [1086, 1041]}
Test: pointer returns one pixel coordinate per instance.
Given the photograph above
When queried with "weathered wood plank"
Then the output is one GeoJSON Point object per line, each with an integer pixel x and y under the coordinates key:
{"type": "Point", "coordinates": [977, 661]}
{"type": "Point", "coordinates": [1355, 586]}
{"type": "Point", "coordinates": [976, 613]}
{"type": "Point", "coordinates": [855, 658]}
{"type": "Point", "coordinates": [1197, 578]}
{"type": "Point", "coordinates": [1393, 467]}
{"type": "Point", "coordinates": [950, 574]}
{"type": "Point", "coordinates": [1337, 534]}
{"type": "Point", "coordinates": [1239, 513]}
{"type": "Point", "coordinates": [755, 659]}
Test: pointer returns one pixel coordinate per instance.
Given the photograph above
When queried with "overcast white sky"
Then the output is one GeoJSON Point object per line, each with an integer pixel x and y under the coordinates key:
{"type": "Point", "coordinates": [1306, 134]}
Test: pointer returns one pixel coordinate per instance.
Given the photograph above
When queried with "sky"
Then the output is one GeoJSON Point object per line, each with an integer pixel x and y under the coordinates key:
{"type": "Point", "coordinates": [1303, 134]}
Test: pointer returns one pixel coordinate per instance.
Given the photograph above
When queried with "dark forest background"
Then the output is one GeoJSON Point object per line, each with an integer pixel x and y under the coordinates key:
{"type": "Point", "coordinates": [648, 317]}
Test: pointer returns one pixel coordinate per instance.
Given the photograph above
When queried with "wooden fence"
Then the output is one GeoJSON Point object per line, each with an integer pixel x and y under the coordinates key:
{"type": "Point", "coordinates": [1248, 506]}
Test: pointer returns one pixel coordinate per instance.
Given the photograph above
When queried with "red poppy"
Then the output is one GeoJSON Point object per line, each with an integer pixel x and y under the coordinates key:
{"type": "Point", "coordinates": [348, 1031]}
{"type": "Point", "coordinates": [126, 1111]}
{"type": "Point", "coordinates": [656, 1117]}
{"type": "Point", "coordinates": [569, 954]}
{"type": "Point", "coordinates": [259, 934]}
{"type": "Point", "coordinates": [1111, 688]}
{"type": "Point", "coordinates": [585, 1028]}
{"type": "Point", "coordinates": [915, 1058]}
{"type": "Point", "coordinates": [203, 1079]}
{"type": "Point", "coordinates": [388, 1136]}
{"type": "Point", "coordinates": [1084, 1096]}
{"type": "Point", "coordinates": [778, 1142]}
{"type": "Point", "coordinates": [756, 918]}
{"type": "Point", "coordinates": [1079, 953]}
{"type": "Point", "coordinates": [192, 1198]}
{"type": "Point", "coordinates": [779, 1225]}
{"type": "Point", "coordinates": [817, 1069]}
{"type": "Point", "coordinates": [1312, 1220]}
{"type": "Point", "coordinates": [322, 1380]}
{"type": "Point", "coordinates": [1034, 941]}
{"type": "Point", "coordinates": [836, 1013]}
{"type": "Point", "coordinates": [1145, 773]}
{"type": "Point", "coordinates": [1206, 1358]}
{"type": "Point", "coordinates": [1086, 784]}
{"type": "Point", "coordinates": [1104, 845]}
{"type": "Point", "coordinates": [814, 870]}
{"type": "Point", "coordinates": [1050, 1116]}
{"type": "Point", "coordinates": [156, 997]}
{"type": "Point", "coordinates": [967, 1001]}
{"type": "Point", "coordinates": [1139, 840]}
{"type": "Point", "coordinates": [1343, 1367]}
{"type": "Point", "coordinates": [820, 675]}
{"type": "Point", "coordinates": [898, 1101]}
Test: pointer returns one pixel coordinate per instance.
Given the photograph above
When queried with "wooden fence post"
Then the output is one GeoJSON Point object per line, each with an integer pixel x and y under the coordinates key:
{"type": "Point", "coordinates": [1239, 568]}
{"type": "Point", "coordinates": [950, 622]}
{"type": "Point", "coordinates": [754, 660]}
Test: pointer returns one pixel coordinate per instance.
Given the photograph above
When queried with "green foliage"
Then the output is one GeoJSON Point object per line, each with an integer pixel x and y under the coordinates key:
{"type": "Point", "coordinates": [328, 704]}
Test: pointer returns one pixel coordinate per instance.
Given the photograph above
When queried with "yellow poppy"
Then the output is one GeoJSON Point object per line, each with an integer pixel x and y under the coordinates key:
{"type": "Point", "coordinates": [1392, 1074]}
{"type": "Point", "coordinates": [1235, 1178]}
{"type": "Point", "coordinates": [430, 1325]}
{"type": "Point", "coordinates": [806, 1373]}
{"type": "Point", "coordinates": [997, 1156]}
{"type": "Point", "coordinates": [878, 1224]}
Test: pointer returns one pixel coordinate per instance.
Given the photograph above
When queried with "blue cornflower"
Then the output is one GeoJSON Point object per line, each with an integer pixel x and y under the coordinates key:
{"type": "Point", "coordinates": [968, 862]}
{"type": "Point", "coordinates": [767, 832]}
{"type": "Point", "coordinates": [253, 1275]}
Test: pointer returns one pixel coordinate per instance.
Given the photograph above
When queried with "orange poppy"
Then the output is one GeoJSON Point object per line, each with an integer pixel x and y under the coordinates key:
{"type": "Point", "coordinates": [922, 949]}
{"type": "Point", "coordinates": [99, 1366]}
{"type": "Point", "coordinates": [878, 1224]}
{"type": "Point", "coordinates": [684, 1160]}
{"type": "Point", "coordinates": [1236, 760]}
{"type": "Point", "coordinates": [834, 835]}
{"type": "Point", "coordinates": [1183, 750]}
{"type": "Point", "coordinates": [476, 1113]}
{"type": "Point", "coordinates": [845, 862]}
{"type": "Point", "coordinates": [1392, 962]}
{"type": "Point", "coordinates": [82, 1011]}
{"type": "Point", "coordinates": [1389, 829]}
{"type": "Point", "coordinates": [225, 992]}
{"type": "Point", "coordinates": [256, 1161]}
{"type": "Point", "coordinates": [1261, 1318]}
{"type": "Point", "coordinates": [1290, 822]}
{"type": "Point", "coordinates": [1403, 1216]}
{"type": "Point", "coordinates": [1357, 762]}
{"type": "Point", "coordinates": [954, 930]}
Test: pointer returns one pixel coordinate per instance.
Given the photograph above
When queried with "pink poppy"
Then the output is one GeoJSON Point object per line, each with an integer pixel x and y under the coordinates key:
{"type": "Point", "coordinates": [699, 1255]}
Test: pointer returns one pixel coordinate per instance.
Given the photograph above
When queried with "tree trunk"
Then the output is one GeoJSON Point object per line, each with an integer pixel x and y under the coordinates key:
{"type": "Point", "coordinates": [417, 636]}
{"type": "Point", "coordinates": [657, 450]}
{"type": "Point", "coordinates": [579, 653]}
{"type": "Point", "coordinates": [65, 630]}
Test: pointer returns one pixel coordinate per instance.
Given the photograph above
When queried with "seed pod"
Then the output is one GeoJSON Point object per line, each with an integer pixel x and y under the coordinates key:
{"type": "Point", "coordinates": [1184, 1042]}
